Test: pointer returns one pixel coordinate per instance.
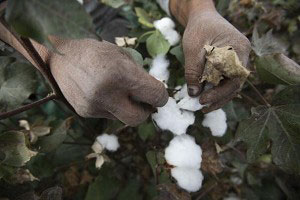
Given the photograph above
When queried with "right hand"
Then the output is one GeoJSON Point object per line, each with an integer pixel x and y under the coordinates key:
{"type": "Point", "coordinates": [99, 80]}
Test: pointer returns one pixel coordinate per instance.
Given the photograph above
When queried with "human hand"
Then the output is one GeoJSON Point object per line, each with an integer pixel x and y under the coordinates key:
{"type": "Point", "coordinates": [99, 79]}
{"type": "Point", "coordinates": [205, 26]}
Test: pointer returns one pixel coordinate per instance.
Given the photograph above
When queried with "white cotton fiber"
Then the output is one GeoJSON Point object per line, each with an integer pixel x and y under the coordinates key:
{"type": "Point", "coordinates": [170, 117]}
{"type": "Point", "coordinates": [185, 101]}
{"type": "Point", "coordinates": [159, 68]}
{"type": "Point", "coordinates": [171, 36]}
{"type": "Point", "coordinates": [80, 1]}
{"type": "Point", "coordinates": [184, 152]}
{"type": "Point", "coordinates": [164, 24]}
{"type": "Point", "coordinates": [181, 93]}
{"type": "Point", "coordinates": [188, 178]}
{"type": "Point", "coordinates": [166, 27]}
{"type": "Point", "coordinates": [190, 104]}
{"type": "Point", "coordinates": [216, 122]}
{"type": "Point", "coordinates": [109, 142]}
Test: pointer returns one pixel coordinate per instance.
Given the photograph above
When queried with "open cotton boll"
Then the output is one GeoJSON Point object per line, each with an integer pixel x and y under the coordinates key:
{"type": "Point", "coordinates": [164, 24]}
{"type": "Point", "coordinates": [190, 104]}
{"type": "Point", "coordinates": [189, 179]}
{"type": "Point", "coordinates": [159, 68]}
{"type": "Point", "coordinates": [109, 142]}
{"type": "Point", "coordinates": [166, 27]}
{"type": "Point", "coordinates": [80, 1]}
{"type": "Point", "coordinates": [171, 36]}
{"type": "Point", "coordinates": [181, 93]}
{"type": "Point", "coordinates": [216, 122]}
{"type": "Point", "coordinates": [170, 117]}
{"type": "Point", "coordinates": [184, 152]}
{"type": "Point", "coordinates": [185, 101]}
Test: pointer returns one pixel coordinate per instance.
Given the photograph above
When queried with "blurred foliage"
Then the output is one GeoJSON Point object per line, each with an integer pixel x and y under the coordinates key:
{"type": "Point", "coordinates": [267, 167]}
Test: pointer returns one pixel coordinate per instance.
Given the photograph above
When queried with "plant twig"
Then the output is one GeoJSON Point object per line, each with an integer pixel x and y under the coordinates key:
{"type": "Point", "coordinates": [252, 101]}
{"type": "Point", "coordinates": [208, 190]}
{"type": "Point", "coordinates": [27, 107]}
{"type": "Point", "coordinates": [258, 93]}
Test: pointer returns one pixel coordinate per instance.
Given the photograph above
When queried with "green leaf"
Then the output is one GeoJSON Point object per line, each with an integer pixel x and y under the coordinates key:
{"type": "Point", "coordinates": [146, 130]}
{"type": "Point", "coordinates": [137, 57]}
{"type": "Point", "coordinates": [143, 17]}
{"type": "Point", "coordinates": [253, 131]}
{"type": "Point", "coordinates": [131, 191]}
{"type": "Point", "coordinates": [178, 53]}
{"type": "Point", "coordinates": [17, 83]}
{"type": "Point", "coordinates": [114, 3]}
{"type": "Point", "coordinates": [13, 145]}
{"type": "Point", "coordinates": [105, 187]}
{"type": "Point", "coordinates": [280, 124]}
{"type": "Point", "coordinates": [51, 142]}
{"type": "Point", "coordinates": [38, 19]}
{"type": "Point", "coordinates": [151, 158]}
{"type": "Point", "coordinates": [278, 69]}
{"type": "Point", "coordinates": [156, 44]}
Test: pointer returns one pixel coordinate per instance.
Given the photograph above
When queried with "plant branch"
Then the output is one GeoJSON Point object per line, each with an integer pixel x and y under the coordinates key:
{"type": "Point", "coordinates": [252, 101]}
{"type": "Point", "coordinates": [258, 93]}
{"type": "Point", "coordinates": [27, 107]}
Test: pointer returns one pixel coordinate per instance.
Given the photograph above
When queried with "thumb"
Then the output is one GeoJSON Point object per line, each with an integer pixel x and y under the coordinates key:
{"type": "Point", "coordinates": [194, 66]}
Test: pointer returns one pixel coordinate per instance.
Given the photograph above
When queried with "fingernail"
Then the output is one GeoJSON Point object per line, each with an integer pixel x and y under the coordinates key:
{"type": "Point", "coordinates": [193, 90]}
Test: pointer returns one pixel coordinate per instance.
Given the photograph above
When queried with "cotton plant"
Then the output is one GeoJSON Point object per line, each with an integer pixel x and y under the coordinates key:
{"type": "Point", "coordinates": [102, 142]}
{"type": "Point", "coordinates": [182, 153]}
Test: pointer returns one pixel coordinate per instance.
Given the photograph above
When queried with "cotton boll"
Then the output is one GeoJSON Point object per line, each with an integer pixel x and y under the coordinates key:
{"type": "Point", "coordinates": [189, 179]}
{"type": "Point", "coordinates": [184, 152]}
{"type": "Point", "coordinates": [164, 24]}
{"type": "Point", "coordinates": [80, 1]}
{"type": "Point", "coordinates": [216, 122]}
{"type": "Point", "coordinates": [166, 27]}
{"type": "Point", "coordinates": [181, 93]}
{"type": "Point", "coordinates": [185, 101]}
{"type": "Point", "coordinates": [190, 104]}
{"type": "Point", "coordinates": [159, 68]}
{"type": "Point", "coordinates": [170, 117]}
{"type": "Point", "coordinates": [109, 142]}
{"type": "Point", "coordinates": [172, 36]}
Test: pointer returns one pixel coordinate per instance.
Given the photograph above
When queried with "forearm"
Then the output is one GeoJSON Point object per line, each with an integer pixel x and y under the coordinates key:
{"type": "Point", "coordinates": [182, 10]}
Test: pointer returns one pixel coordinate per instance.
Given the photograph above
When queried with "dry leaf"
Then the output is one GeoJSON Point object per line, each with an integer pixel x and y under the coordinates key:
{"type": "Point", "coordinates": [210, 158]}
{"type": "Point", "coordinates": [222, 62]}
{"type": "Point", "coordinates": [125, 41]}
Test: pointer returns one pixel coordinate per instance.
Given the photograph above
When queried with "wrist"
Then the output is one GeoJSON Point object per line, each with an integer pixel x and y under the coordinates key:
{"type": "Point", "coordinates": [183, 10]}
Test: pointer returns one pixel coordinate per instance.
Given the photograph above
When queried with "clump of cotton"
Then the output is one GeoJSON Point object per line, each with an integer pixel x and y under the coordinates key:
{"type": "Point", "coordinates": [171, 117]}
{"type": "Point", "coordinates": [189, 179]}
{"type": "Point", "coordinates": [216, 122]}
{"type": "Point", "coordinates": [181, 92]}
{"type": "Point", "coordinates": [184, 152]}
{"type": "Point", "coordinates": [80, 1]}
{"type": "Point", "coordinates": [166, 27]}
{"type": "Point", "coordinates": [190, 104]}
{"type": "Point", "coordinates": [185, 101]}
{"type": "Point", "coordinates": [159, 68]}
{"type": "Point", "coordinates": [109, 142]}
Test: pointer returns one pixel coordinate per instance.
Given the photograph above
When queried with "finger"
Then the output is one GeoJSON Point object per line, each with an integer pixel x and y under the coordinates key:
{"type": "Point", "coordinates": [194, 66]}
{"type": "Point", "coordinates": [219, 104]}
{"type": "Point", "coordinates": [129, 111]}
{"type": "Point", "coordinates": [147, 89]}
{"type": "Point", "coordinates": [224, 89]}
